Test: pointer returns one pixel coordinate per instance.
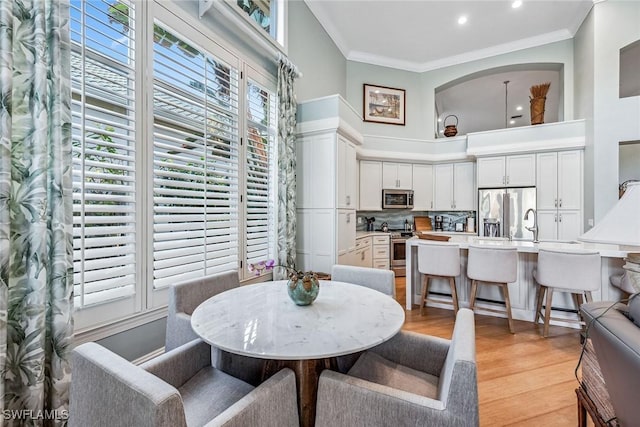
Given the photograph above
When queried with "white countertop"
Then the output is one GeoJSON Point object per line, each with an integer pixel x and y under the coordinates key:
{"type": "Point", "coordinates": [527, 246]}
{"type": "Point", "coordinates": [360, 234]}
{"type": "Point", "coordinates": [260, 320]}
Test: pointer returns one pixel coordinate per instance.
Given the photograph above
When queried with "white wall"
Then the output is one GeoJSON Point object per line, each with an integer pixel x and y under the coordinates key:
{"type": "Point", "coordinates": [616, 24]}
{"type": "Point", "coordinates": [629, 162]}
{"type": "Point", "coordinates": [420, 88]}
{"type": "Point", "coordinates": [323, 66]}
{"type": "Point", "coordinates": [583, 54]}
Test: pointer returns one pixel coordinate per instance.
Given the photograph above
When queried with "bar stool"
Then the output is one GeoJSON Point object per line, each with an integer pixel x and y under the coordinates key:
{"type": "Point", "coordinates": [495, 266]}
{"type": "Point", "coordinates": [576, 272]}
{"type": "Point", "coordinates": [438, 261]}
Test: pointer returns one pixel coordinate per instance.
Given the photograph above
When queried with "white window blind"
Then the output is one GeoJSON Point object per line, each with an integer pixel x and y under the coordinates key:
{"type": "Point", "coordinates": [195, 161]}
{"type": "Point", "coordinates": [103, 107]}
{"type": "Point", "coordinates": [260, 178]}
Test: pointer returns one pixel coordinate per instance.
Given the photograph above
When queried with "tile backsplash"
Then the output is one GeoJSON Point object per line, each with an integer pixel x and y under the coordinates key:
{"type": "Point", "coordinates": [395, 218]}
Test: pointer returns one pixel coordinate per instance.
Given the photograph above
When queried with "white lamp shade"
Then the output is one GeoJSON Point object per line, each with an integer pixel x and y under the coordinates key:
{"type": "Point", "coordinates": [621, 225]}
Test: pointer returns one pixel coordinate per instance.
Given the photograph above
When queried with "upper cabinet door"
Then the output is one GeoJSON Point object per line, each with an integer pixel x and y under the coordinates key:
{"type": "Point", "coordinates": [389, 175]}
{"type": "Point", "coordinates": [397, 175]}
{"type": "Point", "coordinates": [351, 174]}
{"type": "Point", "coordinates": [547, 180]}
{"type": "Point", "coordinates": [443, 187]}
{"type": "Point", "coordinates": [370, 185]}
{"type": "Point", "coordinates": [491, 172]}
{"type": "Point", "coordinates": [346, 174]}
{"type": "Point", "coordinates": [464, 189]}
{"type": "Point", "coordinates": [405, 176]}
{"type": "Point", "coordinates": [520, 170]}
{"type": "Point", "coordinates": [422, 187]}
{"type": "Point", "coordinates": [570, 180]}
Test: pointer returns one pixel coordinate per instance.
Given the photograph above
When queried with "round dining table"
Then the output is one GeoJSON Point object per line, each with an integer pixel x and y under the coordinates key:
{"type": "Point", "coordinates": [261, 321]}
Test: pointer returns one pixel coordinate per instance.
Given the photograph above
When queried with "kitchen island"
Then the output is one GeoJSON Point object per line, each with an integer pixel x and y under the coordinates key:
{"type": "Point", "coordinates": [523, 291]}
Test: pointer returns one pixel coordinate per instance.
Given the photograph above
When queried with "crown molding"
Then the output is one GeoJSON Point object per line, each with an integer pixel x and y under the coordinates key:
{"type": "Point", "coordinates": [475, 55]}
{"type": "Point", "coordinates": [328, 26]}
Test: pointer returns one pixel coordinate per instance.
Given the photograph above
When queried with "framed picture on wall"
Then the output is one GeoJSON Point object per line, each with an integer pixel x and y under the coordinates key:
{"type": "Point", "coordinates": [383, 105]}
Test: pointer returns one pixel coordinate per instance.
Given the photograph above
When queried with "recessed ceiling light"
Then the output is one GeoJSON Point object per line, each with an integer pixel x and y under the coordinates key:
{"type": "Point", "coordinates": [511, 122]}
{"type": "Point", "coordinates": [439, 119]}
{"type": "Point", "coordinates": [462, 20]}
{"type": "Point", "coordinates": [516, 4]}
{"type": "Point", "coordinates": [519, 108]}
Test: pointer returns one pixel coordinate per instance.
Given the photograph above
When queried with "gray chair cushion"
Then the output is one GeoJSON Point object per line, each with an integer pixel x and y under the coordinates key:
{"type": "Point", "coordinates": [377, 369]}
{"type": "Point", "coordinates": [208, 393]}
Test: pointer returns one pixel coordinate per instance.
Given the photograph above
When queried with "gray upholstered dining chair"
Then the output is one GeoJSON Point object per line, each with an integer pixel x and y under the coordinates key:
{"type": "Point", "coordinates": [374, 278]}
{"type": "Point", "coordinates": [184, 297]}
{"type": "Point", "coordinates": [410, 380]}
{"type": "Point", "coordinates": [179, 388]}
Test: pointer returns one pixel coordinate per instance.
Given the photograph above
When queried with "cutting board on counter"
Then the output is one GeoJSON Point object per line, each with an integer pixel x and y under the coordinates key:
{"type": "Point", "coordinates": [422, 223]}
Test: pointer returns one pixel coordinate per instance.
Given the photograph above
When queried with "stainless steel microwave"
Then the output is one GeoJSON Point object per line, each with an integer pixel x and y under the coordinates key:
{"type": "Point", "coordinates": [397, 199]}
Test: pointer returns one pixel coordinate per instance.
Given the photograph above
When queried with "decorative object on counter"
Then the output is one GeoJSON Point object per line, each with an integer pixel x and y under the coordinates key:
{"type": "Point", "coordinates": [438, 237]}
{"type": "Point", "coordinates": [370, 223]}
{"type": "Point", "coordinates": [537, 100]}
{"type": "Point", "coordinates": [383, 105]}
{"type": "Point", "coordinates": [471, 224]}
{"type": "Point", "coordinates": [450, 130]}
{"type": "Point", "coordinates": [621, 225]}
{"type": "Point", "coordinates": [302, 287]}
{"type": "Point", "coordinates": [384, 227]}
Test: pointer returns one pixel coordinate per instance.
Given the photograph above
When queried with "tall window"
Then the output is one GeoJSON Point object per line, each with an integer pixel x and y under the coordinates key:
{"type": "Point", "coordinates": [104, 156]}
{"type": "Point", "coordinates": [195, 162]}
{"type": "Point", "coordinates": [175, 188]}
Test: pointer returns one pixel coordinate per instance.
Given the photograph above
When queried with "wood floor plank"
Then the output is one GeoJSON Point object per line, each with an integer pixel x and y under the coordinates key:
{"type": "Point", "coordinates": [523, 378]}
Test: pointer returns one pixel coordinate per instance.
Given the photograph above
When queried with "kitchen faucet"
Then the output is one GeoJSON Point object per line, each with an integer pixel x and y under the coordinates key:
{"type": "Point", "coordinates": [533, 229]}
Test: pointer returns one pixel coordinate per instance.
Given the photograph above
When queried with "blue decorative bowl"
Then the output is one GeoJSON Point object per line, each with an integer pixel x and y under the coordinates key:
{"type": "Point", "coordinates": [303, 291]}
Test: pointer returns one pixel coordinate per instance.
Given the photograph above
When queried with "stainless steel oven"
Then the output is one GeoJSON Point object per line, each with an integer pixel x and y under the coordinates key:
{"type": "Point", "coordinates": [397, 253]}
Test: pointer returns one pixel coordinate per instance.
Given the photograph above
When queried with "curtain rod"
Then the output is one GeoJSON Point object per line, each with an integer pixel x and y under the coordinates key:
{"type": "Point", "coordinates": [273, 52]}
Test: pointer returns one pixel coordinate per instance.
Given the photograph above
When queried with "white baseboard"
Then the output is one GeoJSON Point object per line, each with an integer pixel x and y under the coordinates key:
{"type": "Point", "coordinates": [145, 358]}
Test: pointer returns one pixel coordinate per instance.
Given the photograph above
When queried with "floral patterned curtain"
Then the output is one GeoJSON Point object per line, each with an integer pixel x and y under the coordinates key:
{"type": "Point", "coordinates": [286, 164]}
{"type": "Point", "coordinates": [36, 267]}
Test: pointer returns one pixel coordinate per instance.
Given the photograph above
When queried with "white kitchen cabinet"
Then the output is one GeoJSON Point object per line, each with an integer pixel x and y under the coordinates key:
{"type": "Point", "coordinates": [565, 224]}
{"type": "Point", "coordinates": [397, 176]}
{"type": "Point", "coordinates": [346, 170]}
{"type": "Point", "coordinates": [454, 186]}
{"type": "Point", "coordinates": [559, 183]}
{"type": "Point", "coordinates": [327, 182]}
{"type": "Point", "coordinates": [559, 194]}
{"type": "Point", "coordinates": [507, 171]}
{"type": "Point", "coordinates": [381, 252]}
{"type": "Point", "coordinates": [363, 254]}
{"type": "Point", "coordinates": [370, 185]}
{"type": "Point", "coordinates": [422, 187]}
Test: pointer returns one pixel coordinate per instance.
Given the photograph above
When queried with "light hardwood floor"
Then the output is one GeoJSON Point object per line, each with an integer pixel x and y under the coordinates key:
{"type": "Point", "coordinates": [523, 379]}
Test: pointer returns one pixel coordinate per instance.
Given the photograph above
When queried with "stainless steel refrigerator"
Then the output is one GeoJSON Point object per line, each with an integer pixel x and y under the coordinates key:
{"type": "Point", "coordinates": [501, 212]}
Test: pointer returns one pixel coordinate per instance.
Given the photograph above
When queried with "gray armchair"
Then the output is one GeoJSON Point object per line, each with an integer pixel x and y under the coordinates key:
{"type": "Point", "coordinates": [179, 388]}
{"type": "Point", "coordinates": [615, 334]}
{"type": "Point", "coordinates": [410, 380]}
{"type": "Point", "coordinates": [184, 297]}
{"type": "Point", "coordinates": [381, 280]}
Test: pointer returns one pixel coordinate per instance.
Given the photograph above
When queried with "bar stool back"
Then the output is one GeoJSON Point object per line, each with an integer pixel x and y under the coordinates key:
{"type": "Point", "coordinates": [576, 272]}
{"type": "Point", "coordinates": [495, 266]}
{"type": "Point", "coordinates": [437, 261]}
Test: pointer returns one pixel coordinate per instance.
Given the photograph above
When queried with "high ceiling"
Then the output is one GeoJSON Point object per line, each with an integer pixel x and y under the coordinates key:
{"type": "Point", "coordinates": [422, 35]}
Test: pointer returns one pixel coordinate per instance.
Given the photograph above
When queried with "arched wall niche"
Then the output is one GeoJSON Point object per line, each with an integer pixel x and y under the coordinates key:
{"type": "Point", "coordinates": [481, 101]}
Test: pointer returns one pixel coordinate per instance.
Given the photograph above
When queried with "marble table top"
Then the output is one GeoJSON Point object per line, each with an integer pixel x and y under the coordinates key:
{"type": "Point", "coordinates": [260, 320]}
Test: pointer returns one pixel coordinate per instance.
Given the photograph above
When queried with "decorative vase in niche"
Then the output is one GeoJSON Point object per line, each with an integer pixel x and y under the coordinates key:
{"type": "Point", "coordinates": [537, 110]}
{"type": "Point", "coordinates": [303, 290]}
{"type": "Point", "coordinates": [450, 129]}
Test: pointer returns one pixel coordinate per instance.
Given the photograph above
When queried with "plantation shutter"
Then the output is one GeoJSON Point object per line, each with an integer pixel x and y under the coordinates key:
{"type": "Point", "coordinates": [260, 173]}
{"type": "Point", "coordinates": [195, 161]}
{"type": "Point", "coordinates": [103, 135]}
